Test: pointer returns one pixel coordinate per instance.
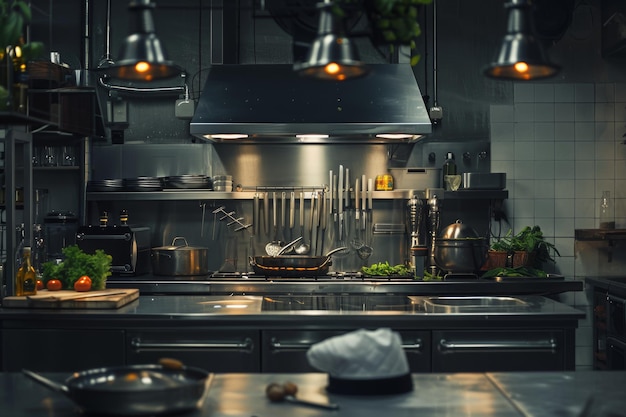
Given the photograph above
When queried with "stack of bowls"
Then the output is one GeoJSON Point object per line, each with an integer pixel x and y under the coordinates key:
{"type": "Point", "coordinates": [223, 183]}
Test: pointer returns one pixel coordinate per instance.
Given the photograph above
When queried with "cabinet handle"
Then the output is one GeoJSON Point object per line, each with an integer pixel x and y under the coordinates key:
{"type": "Point", "coordinates": [277, 345]}
{"type": "Point", "coordinates": [245, 345]}
{"type": "Point", "coordinates": [505, 345]}
{"type": "Point", "coordinates": [418, 345]}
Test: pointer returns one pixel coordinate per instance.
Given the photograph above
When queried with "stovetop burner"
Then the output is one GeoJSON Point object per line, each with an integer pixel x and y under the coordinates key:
{"type": "Point", "coordinates": [331, 276]}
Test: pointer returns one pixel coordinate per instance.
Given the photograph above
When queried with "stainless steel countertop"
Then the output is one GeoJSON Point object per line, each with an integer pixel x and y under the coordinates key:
{"type": "Point", "coordinates": [315, 310]}
{"type": "Point", "coordinates": [541, 394]}
{"type": "Point", "coordinates": [149, 285]}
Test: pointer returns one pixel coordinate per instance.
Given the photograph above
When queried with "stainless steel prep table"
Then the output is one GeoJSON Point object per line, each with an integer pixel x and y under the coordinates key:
{"type": "Point", "coordinates": [272, 333]}
{"type": "Point", "coordinates": [561, 394]}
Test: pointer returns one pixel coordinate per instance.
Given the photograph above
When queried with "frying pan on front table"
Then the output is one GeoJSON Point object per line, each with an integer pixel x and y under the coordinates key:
{"type": "Point", "coordinates": [134, 390]}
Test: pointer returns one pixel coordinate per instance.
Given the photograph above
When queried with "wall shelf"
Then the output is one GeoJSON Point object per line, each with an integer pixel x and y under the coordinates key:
{"type": "Point", "coordinates": [191, 194]}
{"type": "Point", "coordinates": [608, 235]}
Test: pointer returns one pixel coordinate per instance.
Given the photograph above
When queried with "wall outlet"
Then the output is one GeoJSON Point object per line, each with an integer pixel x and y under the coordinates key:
{"type": "Point", "coordinates": [184, 108]}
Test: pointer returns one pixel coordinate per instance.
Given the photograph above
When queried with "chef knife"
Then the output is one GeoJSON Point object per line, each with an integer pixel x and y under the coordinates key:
{"type": "Point", "coordinates": [340, 201]}
{"type": "Point", "coordinates": [363, 200]}
{"type": "Point", "coordinates": [292, 213]}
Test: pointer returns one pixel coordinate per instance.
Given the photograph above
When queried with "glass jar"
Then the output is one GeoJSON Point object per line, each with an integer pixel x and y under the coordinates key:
{"type": "Point", "coordinates": [607, 216]}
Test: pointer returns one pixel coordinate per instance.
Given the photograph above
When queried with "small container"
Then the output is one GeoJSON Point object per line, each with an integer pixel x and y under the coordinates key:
{"type": "Point", "coordinates": [384, 182]}
{"type": "Point", "coordinates": [607, 217]}
{"type": "Point", "coordinates": [60, 232]}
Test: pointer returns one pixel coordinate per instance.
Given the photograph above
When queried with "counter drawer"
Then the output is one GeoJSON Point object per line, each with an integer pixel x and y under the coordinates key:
{"type": "Point", "coordinates": [285, 350]}
{"type": "Point", "coordinates": [213, 350]}
{"type": "Point", "coordinates": [500, 350]}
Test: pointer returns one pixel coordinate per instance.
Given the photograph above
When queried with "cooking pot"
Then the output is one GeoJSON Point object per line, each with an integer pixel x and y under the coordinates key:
{"type": "Point", "coordinates": [293, 265]}
{"type": "Point", "coordinates": [459, 249]}
{"type": "Point", "coordinates": [180, 259]}
{"type": "Point", "coordinates": [133, 390]}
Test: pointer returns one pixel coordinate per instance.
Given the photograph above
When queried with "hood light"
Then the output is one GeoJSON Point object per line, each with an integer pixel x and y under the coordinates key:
{"type": "Point", "coordinates": [398, 136]}
{"type": "Point", "coordinates": [311, 137]}
{"type": "Point", "coordinates": [226, 136]}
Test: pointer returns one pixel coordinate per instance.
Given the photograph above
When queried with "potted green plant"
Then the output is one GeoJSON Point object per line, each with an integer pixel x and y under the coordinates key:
{"type": "Point", "coordinates": [526, 248]}
{"type": "Point", "coordinates": [15, 15]}
{"type": "Point", "coordinates": [392, 22]}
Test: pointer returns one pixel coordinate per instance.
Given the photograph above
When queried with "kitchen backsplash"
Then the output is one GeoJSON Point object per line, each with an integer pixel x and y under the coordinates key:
{"type": "Point", "coordinates": [561, 145]}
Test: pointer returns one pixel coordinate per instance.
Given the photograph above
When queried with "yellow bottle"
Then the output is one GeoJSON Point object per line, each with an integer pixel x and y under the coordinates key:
{"type": "Point", "coordinates": [26, 277]}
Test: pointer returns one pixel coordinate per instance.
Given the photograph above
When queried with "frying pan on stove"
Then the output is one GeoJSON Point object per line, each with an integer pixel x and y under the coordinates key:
{"type": "Point", "coordinates": [293, 265]}
{"type": "Point", "coordinates": [134, 390]}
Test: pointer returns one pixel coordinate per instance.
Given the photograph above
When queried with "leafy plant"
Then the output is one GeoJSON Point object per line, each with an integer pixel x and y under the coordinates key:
{"type": "Point", "coordinates": [385, 269]}
{"type": "Point", "coordinates": [392, 22]}
{"type": "Point", "coordinates": [520, 271]}
{"type": "Point", "coordinates": [76, 264]}
{"type": "Point", "coordinates": [529, 239]}
{"type": "Point", "coordinates": [14, 16]}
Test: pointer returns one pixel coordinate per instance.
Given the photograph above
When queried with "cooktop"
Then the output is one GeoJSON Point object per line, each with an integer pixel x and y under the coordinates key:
{"type": "Point", "coordinates": [340, 303]}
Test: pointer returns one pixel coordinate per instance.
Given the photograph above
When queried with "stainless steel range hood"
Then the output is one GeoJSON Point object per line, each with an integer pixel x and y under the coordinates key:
{"type": "Point", "coordinates": [271, 103]}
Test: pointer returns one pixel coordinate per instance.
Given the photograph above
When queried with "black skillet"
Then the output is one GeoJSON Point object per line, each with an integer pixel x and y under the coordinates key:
{"type": "Point", "coordinates": [133, 390]}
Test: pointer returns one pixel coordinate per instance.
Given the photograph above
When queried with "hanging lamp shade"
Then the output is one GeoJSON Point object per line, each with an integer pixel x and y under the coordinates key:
{"type": "Point", "coordinates": [332, 55]}
{"type": "Point", "coordinates": [521, 56]}
{"type": "Point", "coordinates": [142, 57]}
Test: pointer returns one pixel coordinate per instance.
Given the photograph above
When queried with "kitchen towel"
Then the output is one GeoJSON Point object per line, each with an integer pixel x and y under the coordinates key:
{"type": "Point", "coordinates": [362, 354]}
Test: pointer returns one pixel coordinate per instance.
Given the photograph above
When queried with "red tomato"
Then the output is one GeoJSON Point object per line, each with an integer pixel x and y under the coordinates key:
{"type": "Point", "coordinates": [39, 285]}
{"type": "Point", "coordinates": [83, 283]}
{"type": "Point", "coordinates": [54, 285]}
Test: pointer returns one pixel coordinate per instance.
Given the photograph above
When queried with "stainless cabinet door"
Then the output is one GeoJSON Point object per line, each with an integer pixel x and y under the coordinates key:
{"type": "Point", "coordinates": [61, 350]}
{"type": "Point", "coordinates": [501, 350]}
{"type": "Point", "coordinates": [209, 349]}
{"type": "Point", "coordinates": [285, 350]}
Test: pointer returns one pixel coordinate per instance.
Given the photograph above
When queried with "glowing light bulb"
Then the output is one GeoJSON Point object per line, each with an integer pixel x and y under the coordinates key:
{"type": "Point", "coordinates": [142, 66]}
{"type": "Point", "coordinates": [332, 68]}
{"type": "Point", "coordinates": [521, 67]}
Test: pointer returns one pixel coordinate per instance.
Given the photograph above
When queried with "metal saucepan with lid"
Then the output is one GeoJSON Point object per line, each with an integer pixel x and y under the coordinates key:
{"type": "Point", "coordinates": [135, 390]}
{"type": "Point", "coordinates": [182, 259]}
{"type": "Point", "coordinates": [293, 265]}
{"type": "Point", "coordinates": [459, 249]}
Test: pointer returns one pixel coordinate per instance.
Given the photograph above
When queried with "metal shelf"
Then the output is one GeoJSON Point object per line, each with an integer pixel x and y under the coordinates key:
{"type": "Point", "coordinates": [599, 235]}
{"type": "Point", "coordinates": [190, 194]}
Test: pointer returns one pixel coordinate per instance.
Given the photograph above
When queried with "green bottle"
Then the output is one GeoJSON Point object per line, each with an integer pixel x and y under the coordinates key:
{"type": "Point", "coordinates": [449, 168]}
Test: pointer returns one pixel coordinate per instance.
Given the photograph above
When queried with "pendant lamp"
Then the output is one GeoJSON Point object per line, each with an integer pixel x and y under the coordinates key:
{"type": "Point", "coordinates": [521, 56]}
{"type": "Point", "coordinates": [142, 56]}
{"type": "Point", "coordinates": [332, 55]}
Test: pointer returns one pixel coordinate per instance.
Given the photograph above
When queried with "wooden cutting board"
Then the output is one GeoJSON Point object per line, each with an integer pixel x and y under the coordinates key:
{"type": "Point", "coordinates": [109, 298]}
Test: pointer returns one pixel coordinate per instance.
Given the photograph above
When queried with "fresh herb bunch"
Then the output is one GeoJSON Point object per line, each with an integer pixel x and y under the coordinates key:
{"type": "Point", "coordinates": [76, 264]}
{"type": "Point", "coordinates": [384, 269]}
{"type": "Point", "coordinates": [529, 239]}
{"type": "Point", "coordinates": [521, 271]}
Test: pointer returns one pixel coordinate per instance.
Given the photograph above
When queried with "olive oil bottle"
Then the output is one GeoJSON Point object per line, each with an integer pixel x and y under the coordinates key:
{"type": "Point", "coordinates": [26, 277]}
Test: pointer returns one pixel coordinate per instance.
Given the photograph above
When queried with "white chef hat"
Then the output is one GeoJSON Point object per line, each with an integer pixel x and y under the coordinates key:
{"type": "Point", "coordinates": [358, 360]}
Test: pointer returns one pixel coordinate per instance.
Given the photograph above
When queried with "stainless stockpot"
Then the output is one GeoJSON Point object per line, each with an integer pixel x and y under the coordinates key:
{"type": "Point", "coordinates": [175, 260]}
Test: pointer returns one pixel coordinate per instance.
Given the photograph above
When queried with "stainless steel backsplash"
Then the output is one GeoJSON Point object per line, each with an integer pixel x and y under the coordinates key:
{"type": "Point", "coordinates": [285, 167]}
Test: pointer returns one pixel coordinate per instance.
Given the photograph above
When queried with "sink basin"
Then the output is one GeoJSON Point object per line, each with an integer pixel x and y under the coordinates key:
{"type": "Point", "coordinates": [459, 304]}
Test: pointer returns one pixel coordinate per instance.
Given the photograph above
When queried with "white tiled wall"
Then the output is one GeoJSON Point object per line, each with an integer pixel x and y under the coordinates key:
{"type": "Point", "coordinates": [561, 145]}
